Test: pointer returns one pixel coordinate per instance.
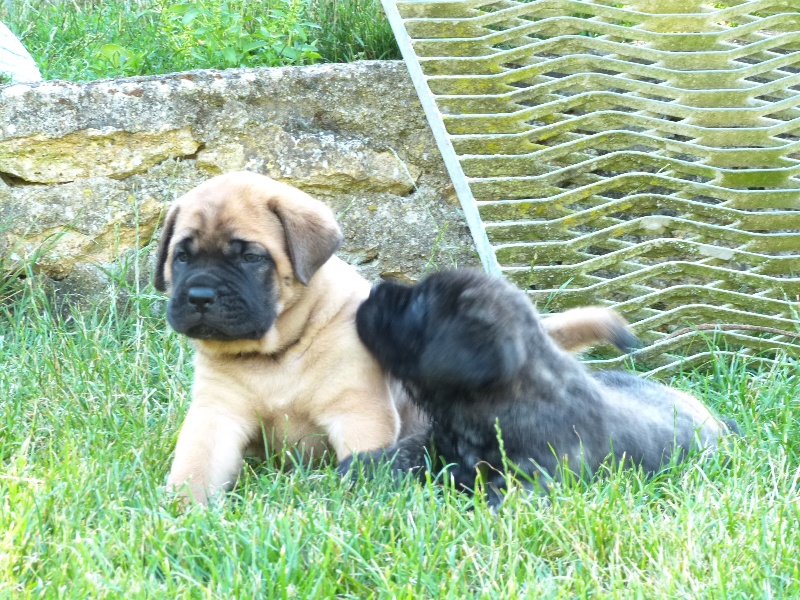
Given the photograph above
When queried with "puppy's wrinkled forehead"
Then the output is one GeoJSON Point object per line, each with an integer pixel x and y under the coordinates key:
{"type": "Point", "coordinates": [449, 287]}
{"type": "Point", "coordinates": [212, 218]}
{"type": "Point", "coordinates": [472, 291]}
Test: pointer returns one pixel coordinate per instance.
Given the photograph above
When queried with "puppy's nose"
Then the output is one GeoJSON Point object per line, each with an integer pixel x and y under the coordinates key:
{"type": "Point", "coordinates": [201, 297]}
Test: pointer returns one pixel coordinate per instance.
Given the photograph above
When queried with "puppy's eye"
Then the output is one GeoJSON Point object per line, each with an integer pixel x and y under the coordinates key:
{"type": "Point", "coordinates": [250, 257]}
{"type": "Point", "coordinates": [182, 256]}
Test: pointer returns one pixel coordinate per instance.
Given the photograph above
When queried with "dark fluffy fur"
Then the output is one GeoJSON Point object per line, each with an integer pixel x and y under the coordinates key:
{"type": "Point", "coordinates": [473, 353]}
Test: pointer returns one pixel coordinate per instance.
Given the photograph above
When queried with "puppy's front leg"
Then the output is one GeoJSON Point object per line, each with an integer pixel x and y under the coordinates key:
{"type": "Point", "coordinates": [360, 423]}
{"type": "Point", "coordinates": [209, 453]}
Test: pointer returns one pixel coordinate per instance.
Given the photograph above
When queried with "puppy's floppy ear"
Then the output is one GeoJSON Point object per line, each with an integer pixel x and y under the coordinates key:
{"type": "Point", "coordinates": [312, 234]}
{"type": "Point", "coordinates": [458, 358]}
{"type": "Point", "coordinates": [159, 280]}
{"type": "Point", "coordinates": [469, 350]}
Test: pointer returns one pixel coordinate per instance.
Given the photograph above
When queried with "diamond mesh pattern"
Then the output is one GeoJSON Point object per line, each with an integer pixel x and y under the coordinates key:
{"type": "Point", "coordinates": [643, 153]}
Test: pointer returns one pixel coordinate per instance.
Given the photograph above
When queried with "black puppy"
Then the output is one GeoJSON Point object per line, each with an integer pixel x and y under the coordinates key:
{"type": "Point", "coordinates": [473, 353]}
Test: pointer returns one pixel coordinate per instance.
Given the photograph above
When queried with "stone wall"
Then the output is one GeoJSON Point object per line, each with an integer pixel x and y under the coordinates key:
{"type": "Point", "coordinates": [86, 170]}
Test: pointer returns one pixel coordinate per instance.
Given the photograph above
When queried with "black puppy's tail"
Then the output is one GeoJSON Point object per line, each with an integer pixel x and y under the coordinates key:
{"type": "Point", "coordinates": [578, 328]}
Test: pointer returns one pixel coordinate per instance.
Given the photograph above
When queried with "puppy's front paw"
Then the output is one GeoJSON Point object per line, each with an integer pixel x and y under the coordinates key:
{"type": "Point", "coordinates": [185, 495]}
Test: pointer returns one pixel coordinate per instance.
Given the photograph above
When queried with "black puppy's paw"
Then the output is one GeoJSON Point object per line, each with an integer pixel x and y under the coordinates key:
{"type": "Point", "coordinates": [732, 425]}
{"type": "Point", "coordinates": [344, 468]}
{"type": "Point", "coordinates": [366, 464]}
{"type": "Point", "coordinates": [412, 455]}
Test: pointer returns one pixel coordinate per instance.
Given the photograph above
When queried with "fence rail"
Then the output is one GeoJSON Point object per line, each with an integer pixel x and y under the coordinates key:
{"type": "Point", "coordinates": [639, 153]}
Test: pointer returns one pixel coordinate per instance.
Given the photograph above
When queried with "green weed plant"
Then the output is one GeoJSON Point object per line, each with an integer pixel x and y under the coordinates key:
{"type": "Point", "coordinates": [87, 40]}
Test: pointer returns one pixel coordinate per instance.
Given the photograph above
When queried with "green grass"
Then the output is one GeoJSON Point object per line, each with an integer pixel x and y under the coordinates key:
{"type": "Point", "coordinates": [90, 405]}
{"type": "Point", "coordinates": [352, 30]}
{"type": "Point", "coordinates": [91, 39]}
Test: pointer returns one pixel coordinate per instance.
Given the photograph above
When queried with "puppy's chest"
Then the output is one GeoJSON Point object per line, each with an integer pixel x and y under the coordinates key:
{"type": "Point", "coordinates": [279, 387]}
{"type": "Point", "coordinates": [465, 446]}
{"type": "Point", "coordinates": [462, 438]}
{"type": "Point", "coordinates": [458, 412]}
{"type": "Point", "coordinates": [264, 388]}
{"type": "Point", "coordinates": [466, 430]}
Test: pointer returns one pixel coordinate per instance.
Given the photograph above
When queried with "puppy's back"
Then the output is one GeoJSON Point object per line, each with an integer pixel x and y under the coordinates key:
{"type": "Point", "coordinates": [680, 417]}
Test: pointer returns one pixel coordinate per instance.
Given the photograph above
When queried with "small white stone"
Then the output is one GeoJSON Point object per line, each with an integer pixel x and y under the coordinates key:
{"type": "Point", "coordinates": [15, 60]}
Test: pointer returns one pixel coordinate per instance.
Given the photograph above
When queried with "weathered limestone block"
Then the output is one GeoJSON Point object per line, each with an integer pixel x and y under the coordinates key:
{"type": "Point", "coordinates": [89, 221]}
{"type": "Point", "coordinates": [87, 170]}
{"type": "Point", "coordinates": [91, 153]}
{"type": "Point", "coordinates": [318, 163]}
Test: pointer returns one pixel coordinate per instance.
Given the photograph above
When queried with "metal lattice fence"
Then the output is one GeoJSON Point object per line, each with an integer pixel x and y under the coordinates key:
{"type": "Point", "coordinates": [641, 153]}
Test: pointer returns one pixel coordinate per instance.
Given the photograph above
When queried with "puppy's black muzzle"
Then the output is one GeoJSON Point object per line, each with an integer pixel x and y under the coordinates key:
{"type": "Point", "coordinates": [209, 304]}
{"type": "Point", "coordinates": [201, 297]}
